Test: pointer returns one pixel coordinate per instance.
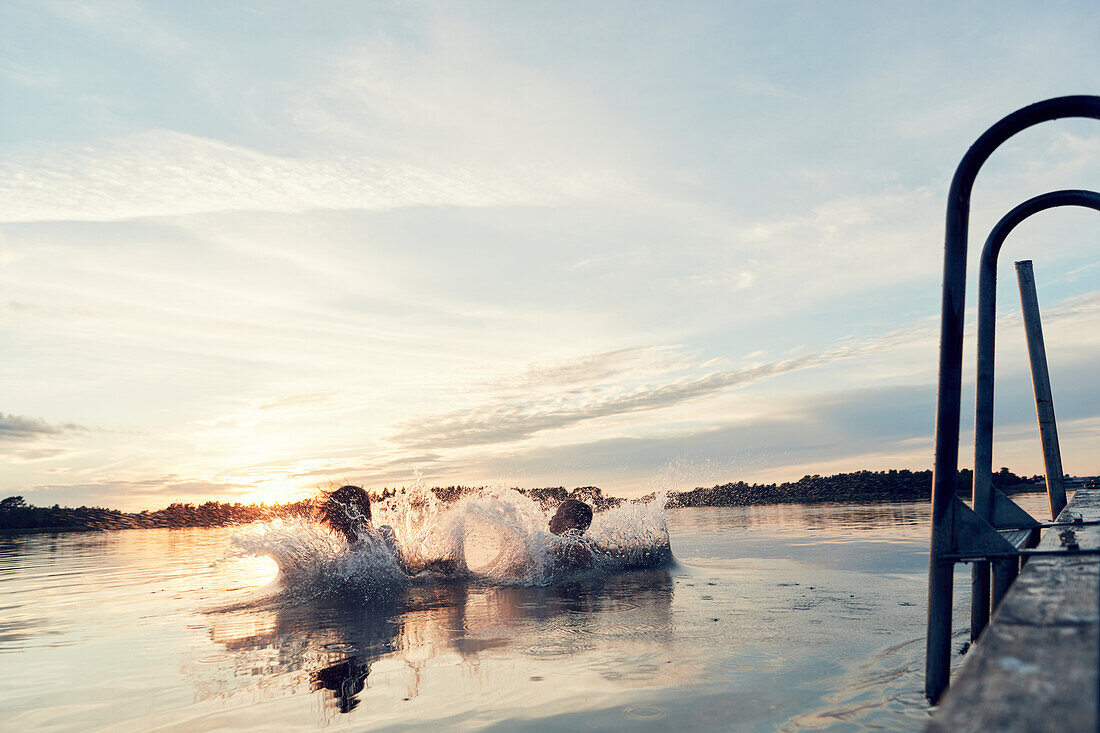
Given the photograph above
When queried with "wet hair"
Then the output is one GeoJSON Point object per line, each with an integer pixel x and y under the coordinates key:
{"type": "Point", "coordinates": [346, 510]}
{"type": "Point", "coordinates": [571, 514]}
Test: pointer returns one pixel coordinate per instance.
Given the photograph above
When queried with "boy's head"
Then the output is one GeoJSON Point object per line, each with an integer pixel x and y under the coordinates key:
{"type": "Point", "coordinates": [572, 514]}
{"type": "Point", "coordinates": [346, 510]}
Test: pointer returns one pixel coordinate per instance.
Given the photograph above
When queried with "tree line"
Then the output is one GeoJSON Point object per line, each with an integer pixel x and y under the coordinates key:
{"type": "Point", "coordinates": [17, 514]}
{"type": "Point", "coordinates": [860, 486]}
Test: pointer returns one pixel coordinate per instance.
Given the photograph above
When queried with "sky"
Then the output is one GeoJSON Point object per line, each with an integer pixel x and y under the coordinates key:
{"type": "Point", "coordinates": [251, 250]}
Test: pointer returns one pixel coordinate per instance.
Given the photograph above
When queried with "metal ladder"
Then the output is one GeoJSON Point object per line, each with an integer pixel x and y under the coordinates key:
{"type": "Point", "coordinates": [996, 532]}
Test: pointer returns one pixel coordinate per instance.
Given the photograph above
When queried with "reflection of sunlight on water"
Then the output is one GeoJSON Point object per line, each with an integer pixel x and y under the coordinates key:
{"type": "Point", "coordinates": [242, 628]}
{"type": "Point", "coordinates": [250, 572]}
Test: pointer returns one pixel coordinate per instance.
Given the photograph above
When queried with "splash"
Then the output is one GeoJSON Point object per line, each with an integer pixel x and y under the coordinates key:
{"type": "Point", "coordinates": [492, 536]}
{"type": "Point", "coordinates": [632, 535]}
{"type": "Point", "coordinates": [314, 561]}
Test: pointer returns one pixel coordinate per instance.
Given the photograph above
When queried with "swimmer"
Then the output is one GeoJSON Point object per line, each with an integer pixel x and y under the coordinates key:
{"type": "Point", "coordinates": [572, 515]}
{"type": "Point", "coordinates": [346, 511]}
{"type": "Point", "coordinates": [571, 520]}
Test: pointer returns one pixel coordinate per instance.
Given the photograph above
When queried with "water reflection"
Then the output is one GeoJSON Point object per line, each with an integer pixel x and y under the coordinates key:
{"type": "Point", "coordinates": [891, 519]}
{"type": "Point", "coordinates": [784, 618]}
{"type": "Point", "coordinates": [344, 680]}
{"type": "Point", "coordinates": [884, 519]}
{"type": "Point", "coordinates": [331, 643]}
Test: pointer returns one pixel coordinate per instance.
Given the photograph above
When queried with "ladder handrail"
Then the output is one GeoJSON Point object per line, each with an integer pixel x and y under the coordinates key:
{"type": "Point", "coordinates": [983, 401]}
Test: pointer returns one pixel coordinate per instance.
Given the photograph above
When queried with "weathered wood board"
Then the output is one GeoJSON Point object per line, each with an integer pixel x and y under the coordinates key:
{"type": "Point", "coordinates": [1035, 666]}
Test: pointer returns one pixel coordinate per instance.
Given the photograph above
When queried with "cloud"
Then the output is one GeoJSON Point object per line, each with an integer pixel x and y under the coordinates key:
{"type": "Point", "coordinates": [428, 121]}
{"type": "Point", "coordinates": [135, 494]}
{"type": "Point", "coordinates": [845, 243]}
{"type": "Point", "coordinates": [866, 428]}
{"type": "Point", "coordinates": [123, 21]}
{"type": "Point", "coordinates": [506, 423]}
{"type": "Point", "coordinates": [1075, 274]}
{"type": "Point", "coordinates": [305, 400]}
{"type": "Point", "coordinates": [445, 93]}
{"type": "Point", "coordinates": [798, 430]}
{"type": "Point", "coordinates": [22, 429]}
{"type": "Point", "coordinates": [585, 370]}
{"type": "Point", "coordinates": [161, 172]}
{"type": "Point", "coordinates": [1085, 305]}
{"type": "Point", "coordinates": [33, 455]}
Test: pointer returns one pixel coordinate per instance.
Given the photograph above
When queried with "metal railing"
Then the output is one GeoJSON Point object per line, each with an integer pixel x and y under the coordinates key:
{"type": "Point", "coordinates": [986, 499]}
{"type": "Point", "coordinates": [959, 534]}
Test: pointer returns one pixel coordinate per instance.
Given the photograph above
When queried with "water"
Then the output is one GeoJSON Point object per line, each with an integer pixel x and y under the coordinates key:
{"type": "Point", "coordinates": [772, 618]}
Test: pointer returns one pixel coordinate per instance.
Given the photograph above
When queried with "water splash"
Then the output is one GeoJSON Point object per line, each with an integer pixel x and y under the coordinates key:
{"type": "Point", "coordinates": [491, 536]}
{"type": "Point", "coordinates": [633, 535]}
{"type": "Point", "coordinates": [314, 561]}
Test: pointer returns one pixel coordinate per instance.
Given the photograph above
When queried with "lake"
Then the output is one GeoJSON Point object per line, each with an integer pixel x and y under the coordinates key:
{"type": "Point", "coordinates": [790, 617]}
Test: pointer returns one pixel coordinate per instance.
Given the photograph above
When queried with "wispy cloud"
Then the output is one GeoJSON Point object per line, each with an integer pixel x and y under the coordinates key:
{"type": "Point", "coordinates": [125, 21]}
{"type": "Point", "coordinates": [511, 422]}
{"type": "Point", "coordinates": [1087, 304]}
{"type": "Point", "coordinates": [306, 400]}
{"type": "Point", "coordinates": [416, 97]}
{"type": "Point", "coordinates": [134, 494]}
{"type": "Point", "coordinates": [373, 126]}
{"type": "Point", "coordinates": [594, 368]}
{"type": "Point", "coordinates": [21, 429]}
{"type": "Point", "coordinates": [796, 430]}
{"type": "Point", "coordinates": [162, 172]}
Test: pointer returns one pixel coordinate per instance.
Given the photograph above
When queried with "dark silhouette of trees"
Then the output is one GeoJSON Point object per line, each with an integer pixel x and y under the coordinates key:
{"type": "Point", "coordinates": [860, 486]}
{"type": "Point", "coordinates": [15, 513]}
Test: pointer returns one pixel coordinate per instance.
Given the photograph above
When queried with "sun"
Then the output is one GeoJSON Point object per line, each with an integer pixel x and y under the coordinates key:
{"type": "Point", "coordinates": [274, 491]}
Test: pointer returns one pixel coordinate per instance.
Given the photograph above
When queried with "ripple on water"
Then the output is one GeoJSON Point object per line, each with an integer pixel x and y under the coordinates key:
{"type": "Point", "coordinates": [630, 669]}
{"type": "Point", "coordinates": [215, 658]}
{"type": "Point", "coordinates": [610, 607]}
{"type": "Point", "coordinates": [340, 647]}
{"type": "Point", "coordinates": [552, 650]}
{"type": "Point", "coordinates": [645, 712]}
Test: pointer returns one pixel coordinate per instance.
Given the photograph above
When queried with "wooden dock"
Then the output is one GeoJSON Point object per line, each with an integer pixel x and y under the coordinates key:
{"type": "Point", "coordinates": [1035, 667]}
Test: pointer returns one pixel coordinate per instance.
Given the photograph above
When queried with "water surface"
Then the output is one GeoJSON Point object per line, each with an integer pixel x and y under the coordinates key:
{"type": "Point", "coordinates": [773, 618]}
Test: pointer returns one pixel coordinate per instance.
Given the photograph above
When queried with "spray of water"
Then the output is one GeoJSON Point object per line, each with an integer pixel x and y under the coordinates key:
{"type": "Point", "coordinates": [495, 536]}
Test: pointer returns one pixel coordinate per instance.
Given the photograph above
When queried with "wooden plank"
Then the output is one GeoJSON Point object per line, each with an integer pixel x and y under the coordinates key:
{"type": "Point", "coordinates": [1034, 668]}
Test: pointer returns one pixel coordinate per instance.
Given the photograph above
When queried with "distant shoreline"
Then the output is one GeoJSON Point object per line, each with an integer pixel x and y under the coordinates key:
{"type": "Point", "coordinates": [861, 487]}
